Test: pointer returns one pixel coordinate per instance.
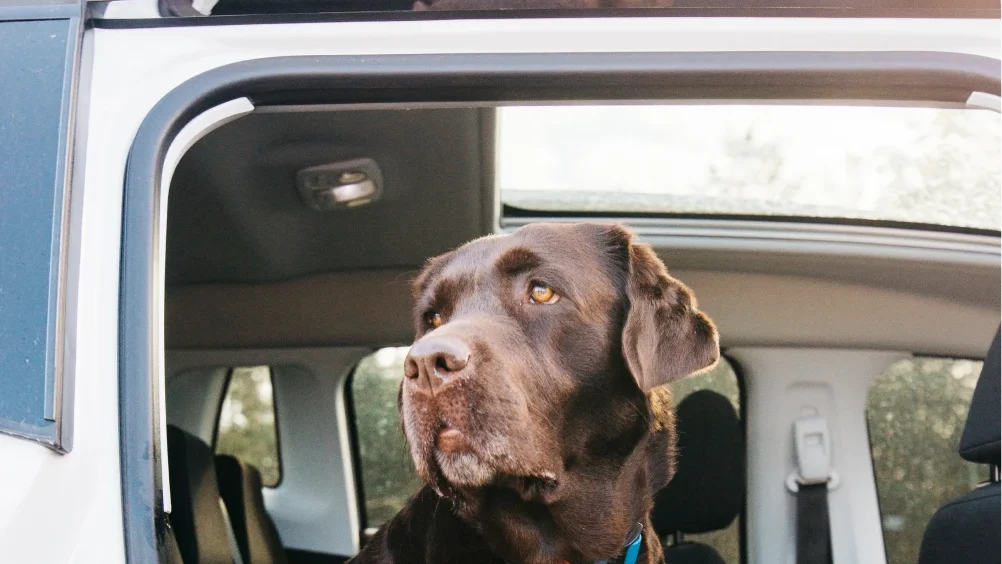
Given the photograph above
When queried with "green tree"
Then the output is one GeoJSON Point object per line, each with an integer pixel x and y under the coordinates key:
{"type": "Point", "coordinates": [916, 413]}
{"type": "Point", "coordinates": [388, 476]}
{"type": "Point", "coordinates": [247, 422]}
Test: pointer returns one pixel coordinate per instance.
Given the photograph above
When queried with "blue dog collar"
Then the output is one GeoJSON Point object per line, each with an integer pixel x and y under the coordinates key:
{"type": "Point", "coordinates": [632, 545]}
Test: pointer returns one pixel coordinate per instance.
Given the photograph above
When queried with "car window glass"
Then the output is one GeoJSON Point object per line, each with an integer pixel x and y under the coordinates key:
{"type": "Point", "coordinates": [925, 165]}
{"type": "Point", "coordinates": [723, 380]}
{"type": "Point", "coordinates": [33, 69]}
{"type": "Point", "coordinates": [247, 422]}
{"type": "Point", "coordinates": [916, 412]}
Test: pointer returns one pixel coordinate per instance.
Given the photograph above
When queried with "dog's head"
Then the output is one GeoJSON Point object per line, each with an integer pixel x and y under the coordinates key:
{"type": "Point", "coordinates": [535, 354]}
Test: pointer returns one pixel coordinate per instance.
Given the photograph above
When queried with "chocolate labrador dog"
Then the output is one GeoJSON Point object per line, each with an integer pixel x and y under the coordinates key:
{"type": "Point", "coordinates": [532, 399]}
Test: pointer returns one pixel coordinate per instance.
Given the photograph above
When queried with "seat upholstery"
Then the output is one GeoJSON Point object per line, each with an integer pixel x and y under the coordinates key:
{"type": "Point", "coordinates": [967, 529]}
{"type": "Point", "coordinates": [199, 524]}
{"type": "Point", "coordinates": [257, 537]}
{"type": "Point", "coordinates": [692, 553]}
{"type": "Point", "coordinates": [980, 440]}
{"type": "Point", "coordinates": [707, 492]}
{"type": "Point", "coordinates": [171, 548]}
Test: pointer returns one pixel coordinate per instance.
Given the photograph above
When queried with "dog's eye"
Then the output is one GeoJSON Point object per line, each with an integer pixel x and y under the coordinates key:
{"type": "Point", "coordinates": [433, 319]}
{"type": "Point", "coordinates": [540, 293]}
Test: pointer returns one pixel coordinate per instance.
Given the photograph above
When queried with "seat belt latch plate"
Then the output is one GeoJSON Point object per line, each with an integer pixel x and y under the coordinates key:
{"type": "Point", "coordinates": [813, 446]}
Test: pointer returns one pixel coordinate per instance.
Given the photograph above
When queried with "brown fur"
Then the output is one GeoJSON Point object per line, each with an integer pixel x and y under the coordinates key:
{"type": "Point", "coordinates": [559, 431]}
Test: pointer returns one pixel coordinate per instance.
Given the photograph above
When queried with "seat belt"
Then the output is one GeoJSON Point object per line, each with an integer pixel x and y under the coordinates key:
{"type": "Point", "coordinates": [811, 482]}
{"type": "Point", "coordinates": [813, 532]}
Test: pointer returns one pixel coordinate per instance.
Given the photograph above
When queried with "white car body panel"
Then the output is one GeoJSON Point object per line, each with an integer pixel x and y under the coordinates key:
{"type": "Point", "coordinates": [68, 508]}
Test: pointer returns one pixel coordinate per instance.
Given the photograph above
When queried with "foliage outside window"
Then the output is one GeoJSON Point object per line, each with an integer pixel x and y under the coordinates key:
{"type": "Point", "coordinates": [724, 381]}
{"type": "Point", "coordinates": [916, 413]}
{"type": "Point", "coordinates": [247, 422]}
{"type": "Point", "coordinates": [388, 476]}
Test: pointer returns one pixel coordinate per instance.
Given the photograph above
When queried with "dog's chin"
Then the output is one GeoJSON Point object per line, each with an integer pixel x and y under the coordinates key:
{"type": "Point", "coordinates": [469, 473]}
{"type": "Point", "coordinates": [455, 461]}
{"type": "Point", "coordinates": [464, 469]}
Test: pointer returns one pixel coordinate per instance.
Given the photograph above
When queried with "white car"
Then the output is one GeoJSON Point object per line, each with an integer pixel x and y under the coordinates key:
{"type": "Point", "coordinates": [210, 215]}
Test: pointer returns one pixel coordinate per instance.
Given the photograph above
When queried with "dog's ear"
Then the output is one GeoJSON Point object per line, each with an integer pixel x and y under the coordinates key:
{"type": "Point", "coordinates": [665, 336]}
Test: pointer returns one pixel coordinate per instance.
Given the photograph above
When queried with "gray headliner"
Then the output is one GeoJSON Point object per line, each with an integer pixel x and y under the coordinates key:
{"type": "Point", "coordinates": [237, 217]}
{"type": "Point", "coordinates": [373, 309]}
{"type": "Point", "coordinates": [250, 266]}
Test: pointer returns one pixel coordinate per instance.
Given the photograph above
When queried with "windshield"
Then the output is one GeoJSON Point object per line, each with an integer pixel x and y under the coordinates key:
{"type": "Point", "coordinates": [936, 166]}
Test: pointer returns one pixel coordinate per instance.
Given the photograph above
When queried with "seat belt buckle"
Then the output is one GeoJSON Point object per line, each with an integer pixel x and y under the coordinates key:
{"type": "Point", "coordinates": [813, 449]}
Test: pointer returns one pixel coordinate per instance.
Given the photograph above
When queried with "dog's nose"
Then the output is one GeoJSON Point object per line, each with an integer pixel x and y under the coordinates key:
{"type": "Point", "coordinates": [435, 361]}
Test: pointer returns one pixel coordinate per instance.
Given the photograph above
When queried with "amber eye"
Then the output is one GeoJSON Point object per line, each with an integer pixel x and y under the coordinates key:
{"type": "Point", "coordinates": [540, 293]}
{"type": "Point", "coordinates": [434, 319]}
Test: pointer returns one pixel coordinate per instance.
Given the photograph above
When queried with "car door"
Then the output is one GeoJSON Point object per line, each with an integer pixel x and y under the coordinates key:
{"type": "Point", "coordinates": [79, 287]}
{"type": "Point", "coordinates": [41, 47]}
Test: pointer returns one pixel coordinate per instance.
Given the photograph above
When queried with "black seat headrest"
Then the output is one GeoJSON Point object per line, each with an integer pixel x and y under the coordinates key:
{"type": "Point", "coordinates": [199, 524]}
{"type": "Point", "coordinates": [707, 491]}
{"type": "Point", "coordinates": [980, 442]}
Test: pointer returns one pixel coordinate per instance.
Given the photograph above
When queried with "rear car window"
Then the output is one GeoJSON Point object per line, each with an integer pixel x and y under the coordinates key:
{"type": "Point", "coordinates": [247, 427]}
{"type": "Point", "coordinates": [388, 476]}
{"type": "Point", "coordinates": [724, 381]}
{"type": "Point", "coordinates": [916, 412]}
{"type": "Point", "coordinates": [33, 136]}
{"type": "Point", "coordinates": [935, 166]}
